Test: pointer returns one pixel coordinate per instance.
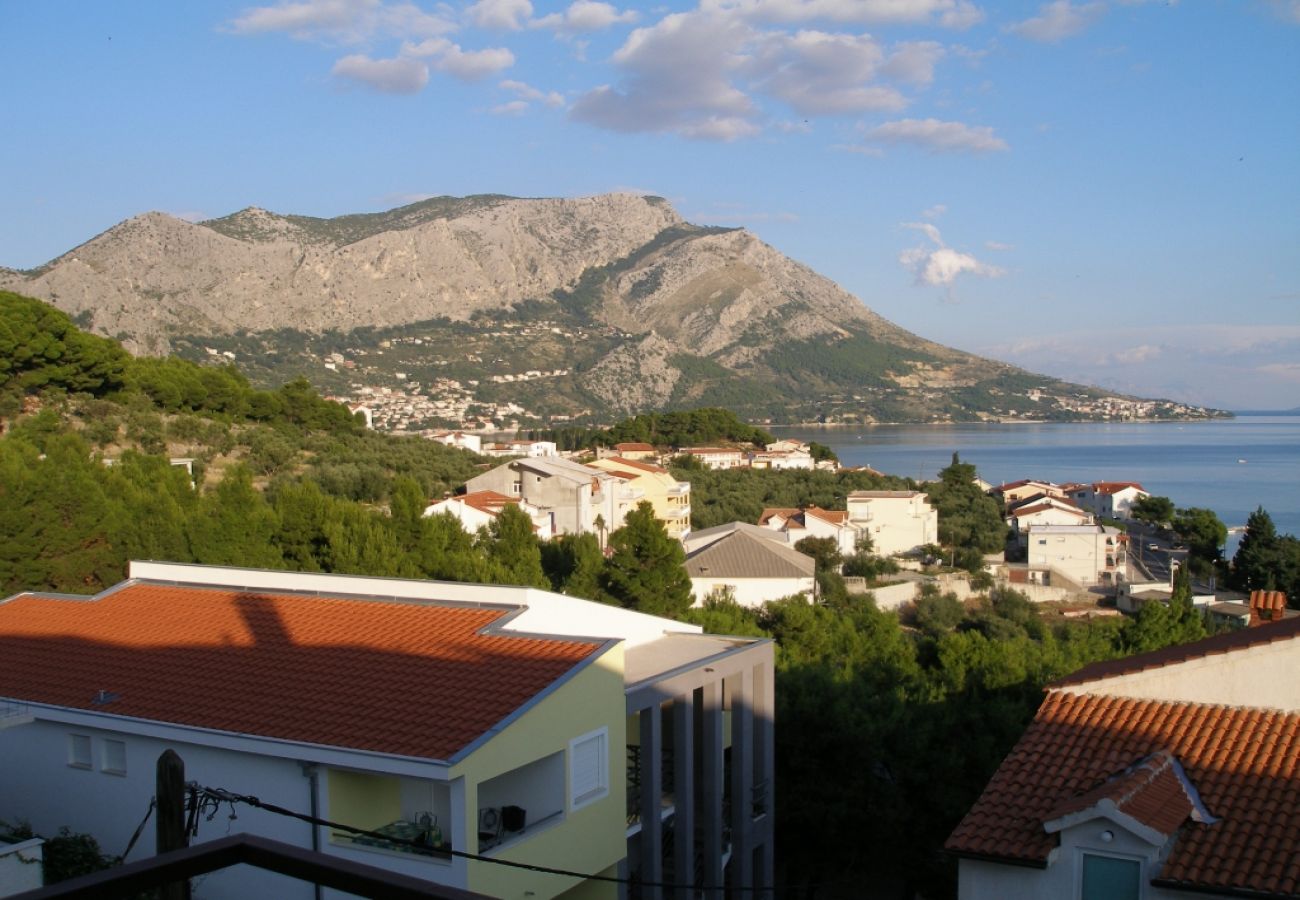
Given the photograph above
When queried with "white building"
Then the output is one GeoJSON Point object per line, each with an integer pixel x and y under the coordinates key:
{"type": "Point", "coordinates": [578, 498]}
{"type": "Point", "coordinates": [1085, 554]}
{"type": "Point", "coordinates": [461, 439]}
{"type": "Point", "coordinates": [438, 717]}
{"type": "Point", "coordinates": [1109, 499]}
{"type": "Point", "coordinates": [478, 509]}
{"type": "Point", "coordinates": [896, 521]}
{"type": "Point", "coordinates": [717, 457]}
{"type": "Point", "coordinates": [752, 569]}
{"type": "Point", "coordinates": [796, 524]}
{"type": "Point", "coordinates": [531, 449]}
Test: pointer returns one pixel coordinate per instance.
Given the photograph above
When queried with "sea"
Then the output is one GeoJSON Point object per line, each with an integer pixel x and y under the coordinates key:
{"type": "Point", "coordinates": [1231, 466]}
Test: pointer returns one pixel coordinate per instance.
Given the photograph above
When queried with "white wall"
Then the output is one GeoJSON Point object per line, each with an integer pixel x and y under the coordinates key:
{"type": "Point", "coordinates": [753, 592]}
{"type": "Point", "coordinates": [21, 866]}
{"type": "Point", "coordinates": [1259, 676]}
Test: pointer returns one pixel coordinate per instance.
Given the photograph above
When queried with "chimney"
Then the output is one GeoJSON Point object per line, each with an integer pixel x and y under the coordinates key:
{"type": "Point", "coordinates": [1266, 606]}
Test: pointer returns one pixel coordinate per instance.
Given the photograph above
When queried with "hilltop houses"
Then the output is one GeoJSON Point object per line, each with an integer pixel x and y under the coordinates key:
{"type": "Point", "coordinates": [477, 509]}
{"type": "Point", "coordinates": [1108, 499]}
{"type": "Point", "coordinates": [812, 522]}
{"type": "Point", "coordinates": [578, 498]}
{"type": "Point", "coordinates": [459, 726]}
{"type": "Point", "coordinates": [670, 498]}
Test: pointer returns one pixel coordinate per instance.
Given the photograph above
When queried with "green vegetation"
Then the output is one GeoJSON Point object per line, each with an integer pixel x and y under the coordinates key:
{"type": "Point", "coordinates": [970, 522]}
{"type": "Point", "coordinates": [719, 496]}
{"type": "Point", "coordinates": [1266, 560]}
{"type": "Point", "coordinates": [691, 428]}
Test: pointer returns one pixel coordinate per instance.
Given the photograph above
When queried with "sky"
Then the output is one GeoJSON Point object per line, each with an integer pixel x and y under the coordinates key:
{"type": "Point", "coordinates": [1103, 191]}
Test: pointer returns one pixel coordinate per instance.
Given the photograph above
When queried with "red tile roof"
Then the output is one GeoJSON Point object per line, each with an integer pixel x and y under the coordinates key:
{"type": "Point", "coordinates": [1114, 487]}
{"type": "Point", "coordinates": [1244, 763]}
{"type": "Point", "coordinates": [1288, 629]}
{"type": "Point", "coordinates": [1154, 792]}
{"type": "Point", "coordinates": [1267, 606]}
{"type": "Point", "coordinates": [635, 447]}
{"type": "Point", "coordinates": [491, 502]}
{"type": "Point", "coordinates": [409, 678]}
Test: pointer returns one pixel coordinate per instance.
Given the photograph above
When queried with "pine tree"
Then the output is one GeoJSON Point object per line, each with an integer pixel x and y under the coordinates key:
{"type": "Point", "coordinates": [1258, 559]}
{"type": "Point", "coordinates": [647, 570]}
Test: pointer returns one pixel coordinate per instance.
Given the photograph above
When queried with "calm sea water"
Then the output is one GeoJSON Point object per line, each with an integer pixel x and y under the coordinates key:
{"type": "Point", "coordinates": [1230, 466]}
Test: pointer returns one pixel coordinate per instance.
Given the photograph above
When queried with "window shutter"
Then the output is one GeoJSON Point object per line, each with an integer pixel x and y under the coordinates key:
{"type": "Point", "coordinates": [588, 768]}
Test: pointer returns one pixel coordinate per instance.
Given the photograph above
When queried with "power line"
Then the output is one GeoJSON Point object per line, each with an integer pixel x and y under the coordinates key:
{"type": "Point", "coordinates": [207, 802]}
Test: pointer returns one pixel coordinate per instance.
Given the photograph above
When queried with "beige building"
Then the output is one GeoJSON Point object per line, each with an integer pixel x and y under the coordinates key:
{"type": "Point", "coordinates": [896, 521]}
{"type": "Point", "coordinates": [1085, 554]}
{"type": "Point", "coordinates": [670, 498]}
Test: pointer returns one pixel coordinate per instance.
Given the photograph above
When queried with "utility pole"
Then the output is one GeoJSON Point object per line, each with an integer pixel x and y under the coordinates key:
{"type": "Point", "coordinates": [170, 792]}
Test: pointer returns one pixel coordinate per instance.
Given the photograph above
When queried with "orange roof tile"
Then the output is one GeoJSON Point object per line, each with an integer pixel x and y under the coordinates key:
{"type": "Point", "coordinates": [415, 678]}
{"type": "Point", "coordinates": [1244, 763]}
{"type": "Point", "coordinates": [1219, 643]}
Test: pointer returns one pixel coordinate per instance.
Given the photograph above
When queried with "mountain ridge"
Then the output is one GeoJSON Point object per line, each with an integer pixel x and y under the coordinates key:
{"type": "Point", "coordinates": [682, 312]}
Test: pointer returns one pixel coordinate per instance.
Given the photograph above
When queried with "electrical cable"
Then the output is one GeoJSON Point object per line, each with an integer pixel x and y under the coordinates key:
{"type": "Point", "coordinates": [139, 829]}
{"type": "Point", "coordinates": [208, 801]}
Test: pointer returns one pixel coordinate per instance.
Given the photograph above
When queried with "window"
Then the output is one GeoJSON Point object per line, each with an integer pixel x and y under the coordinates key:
{"type": "Point", "coordinates": [114, 758]}
{"type": "Point", "coordinates": [588, 768]}
{"type": "Point", "coordinates": [1111, 878]}
{"type": "Point", "coordinates": [79, 751]}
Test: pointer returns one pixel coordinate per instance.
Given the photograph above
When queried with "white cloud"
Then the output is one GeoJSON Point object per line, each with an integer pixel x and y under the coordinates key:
{"type": "Point", "coordinates": [500, 15]}
{"type": "Point", "coordinates": [391, 76]}
{"type": "Point", "coordinates": [1286, 10]}
{"type": "Point", "coordinates": [473, 65]}
{"type": "Point", "coordinates": [1058, 20]}
{"type": "Point", "coordinates": [935, 211]}
{"type": "Point", "coordinates": [999, 246]}
{"type": "Point", "coordinates": [343, 21]}
{"type": "Point", "coordinates": [1287, 371]}
{"type": "Point", "coordinates": [466, 65]}
{"type": "Point", "coordinates": [940, 265]}
{"type": "Point", "coordinates": [584, 17]}
{"type": "Point", "coordinates": [948, 13]}
{"type": "Point", "coordinates": [553, 99]}
{"type": "Point", "coordinates": [512, 108]}
{"type": "Point", "coordinates": [817, 73]}
{"type": "Point", "coordinates": [678, 79]}
{"type": "Point", "coordinates": [937, 136]}
{"type": "Point", "coordinates": [913, 62]}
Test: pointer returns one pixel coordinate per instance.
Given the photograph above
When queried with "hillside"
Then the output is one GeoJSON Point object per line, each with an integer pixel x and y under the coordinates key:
{"type": "Point", "coordinates": [532, 310]}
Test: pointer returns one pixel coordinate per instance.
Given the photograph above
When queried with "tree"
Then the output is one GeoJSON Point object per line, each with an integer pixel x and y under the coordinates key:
{"type": "Point", "coordinates": [824, 551]}
{"type": "Point", "coordinates": [574, 564]}
{"type": "Point", "coordinates": [235, 526]}
{"type": "Point", "coordinates": [647, 569]}
{"type": "Point", "coordinates": [1152, 510]}
{"type": "Point", "coordinates": [1258, 560]}
{"type": "Point", "coordinates": [967, 516]}
{"type": "Point", "coordinates": [512, 549]}
{"type": "Point", "coordinates": [1204, 534]}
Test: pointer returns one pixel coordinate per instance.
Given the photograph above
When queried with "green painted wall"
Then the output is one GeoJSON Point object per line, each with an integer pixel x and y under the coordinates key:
{"type": "Point", "coordinates": [589, 840]}
{"type": "Point", "coordinates": [364, 801]}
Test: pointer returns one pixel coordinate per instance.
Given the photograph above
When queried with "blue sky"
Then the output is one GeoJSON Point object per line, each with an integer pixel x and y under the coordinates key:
{"type": "Point", "coordinates": [1103, 191]}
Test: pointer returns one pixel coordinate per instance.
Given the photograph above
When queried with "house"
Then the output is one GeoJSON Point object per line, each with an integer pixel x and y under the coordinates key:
{"type": "Point", "coordinates": [1109, 499]}
{"type": "Point", "coordinates": [578, 499]}
{"type": "Point", "coordinates": [670, 498]}
{"type": "Point", "coordinates": [531, 449]}
{"type": "Point", "coordinates": [461, 439]}
{"type": "Point", "coordinates": [786, 445]}
{"type": "Point", "coordinates": [1170, 774]}
{"type": "Point", "coordinates": [478, 509]}
{"type": "Point", "coordinates": [510, 724]}
{"type": "Point", "coordinates": [1085, 554]}
{"type": "Point", "coordinates": [797, 524]}
{"type": "Point", "coordinates": [896, 521]}
{"type": "Point", "coordinates": [717, 457]}
{"type": "Point", "coordinates": [697, 539]}
{"type": "Point", "coordinates": [636, 450]}
{"type": "Point", "coordinates": [781, 459]}
{"type": "Point", "coordinates": [1045, 511]}
{"type": "Point", "coordinates": [1017, 492]}
{"type": "Point", "coordinates": [752, 569]}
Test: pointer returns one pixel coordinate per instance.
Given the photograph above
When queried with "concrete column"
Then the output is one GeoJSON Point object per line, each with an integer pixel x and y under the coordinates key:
{"type": "Point", "coordinates": [651, 790]}
{"type": "Point", "coordinates": [764, 778]}
{"type": "Point", "coordinates": [708, 716]}
{"type": "Point", "coordinates": [684, 795]}
{"type": "Point", "coordinates": [740, 688]}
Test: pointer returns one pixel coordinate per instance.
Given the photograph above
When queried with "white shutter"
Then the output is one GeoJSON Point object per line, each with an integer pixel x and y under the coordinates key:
{"type": "Point", "coordinates": [588, 768]}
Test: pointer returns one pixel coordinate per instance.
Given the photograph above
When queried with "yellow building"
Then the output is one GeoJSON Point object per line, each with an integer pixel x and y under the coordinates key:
{"type": "Point", "coordinates": [670, 498]}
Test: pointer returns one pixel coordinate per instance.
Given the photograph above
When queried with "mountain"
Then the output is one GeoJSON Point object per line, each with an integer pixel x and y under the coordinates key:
{"type": "Point", "coordinates": [615, 301]}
